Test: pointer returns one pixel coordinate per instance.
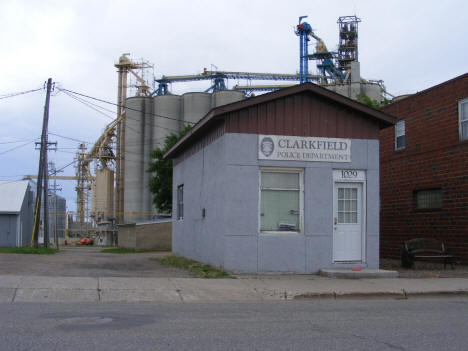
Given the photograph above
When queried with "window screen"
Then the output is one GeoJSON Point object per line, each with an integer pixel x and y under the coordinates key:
{"type": "Point", "coordinates": [280, 201]}
{"type": "Point", "coordinates": [463, 112]}
{"type": "Point", "coordinates": [425, 199]}
{"type": "Point", "coordinates": [180, 202]}
{"type": "Point", "coordinates": [347, 205]}
{"type": "Point", "coordinates": [400, 137]}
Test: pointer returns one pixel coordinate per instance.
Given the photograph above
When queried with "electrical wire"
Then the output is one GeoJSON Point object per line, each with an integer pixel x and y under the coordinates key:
{"type": "Point", "coordinates": [125, 107]}
{"type": "Point", "coordinates": [87, 103]}
{"type": "Point", "coordinates": [64, 137]}
{"type": "Point", "coordinates": [66, 152]}
{"type": "Point", "coordinates": [6, 96]}
{"type": "Point", "coordinates": [18, 141]}
{"type": "Point", "coordinates": [16, 147]}
{"type": "Point", "coordinates": [127, 117]}
{"type": "Point", "coordinates": [69, 164]}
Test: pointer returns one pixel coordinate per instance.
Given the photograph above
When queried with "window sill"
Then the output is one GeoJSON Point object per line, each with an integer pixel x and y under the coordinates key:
{"type": "Point", "coordinates": [423, 210]}
{"type": "Point", "coordinates": [281, 233]}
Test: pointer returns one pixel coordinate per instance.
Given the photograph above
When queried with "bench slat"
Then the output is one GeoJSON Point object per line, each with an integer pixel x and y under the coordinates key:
{"type": "Point", "coordinates": [424, 248]}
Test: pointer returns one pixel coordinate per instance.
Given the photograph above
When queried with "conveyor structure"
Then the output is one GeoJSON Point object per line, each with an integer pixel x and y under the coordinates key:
{"type": "Point", "coordinates": [219, 80]}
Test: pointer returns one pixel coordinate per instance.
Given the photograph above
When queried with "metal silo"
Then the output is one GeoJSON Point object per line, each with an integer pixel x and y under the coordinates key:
{"type": "Point", "coordinates": [224, 97]}
{"type": "Point", "coordinates": [195, 106]}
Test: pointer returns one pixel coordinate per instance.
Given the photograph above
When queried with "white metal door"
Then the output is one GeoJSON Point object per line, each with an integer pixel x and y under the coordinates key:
{"type": "Point", "coordinates": [347, 222]}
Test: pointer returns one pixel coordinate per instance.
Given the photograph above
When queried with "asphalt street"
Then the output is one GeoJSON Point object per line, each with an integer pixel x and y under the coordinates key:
{"type": "Point", "coordinates": [417, 324]}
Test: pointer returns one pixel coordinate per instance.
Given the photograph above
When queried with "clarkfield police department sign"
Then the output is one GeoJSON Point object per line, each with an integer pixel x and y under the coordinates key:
{"type": "Point", "coordinates": [291, 148]}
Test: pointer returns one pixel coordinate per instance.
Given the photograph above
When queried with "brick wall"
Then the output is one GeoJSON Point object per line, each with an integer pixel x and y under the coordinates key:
{"type": "Point", "coordinates": [434, 157]}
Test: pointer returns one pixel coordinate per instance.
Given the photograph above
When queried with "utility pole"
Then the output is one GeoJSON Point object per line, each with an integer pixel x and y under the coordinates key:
{"type": "Point", "coordinates": [42, 176]}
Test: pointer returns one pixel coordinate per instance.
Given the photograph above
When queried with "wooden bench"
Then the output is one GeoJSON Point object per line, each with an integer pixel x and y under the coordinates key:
{"type": "Point", "coordinates": [424, 249]}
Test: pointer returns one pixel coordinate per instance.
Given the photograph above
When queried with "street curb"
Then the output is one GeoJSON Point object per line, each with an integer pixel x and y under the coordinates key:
{"type": "Point", "coordinates": [403, 295]}
{"type": "Point", "coordinates": [355, 295]}
{"type": "Point", "coordinates": [442, 293]}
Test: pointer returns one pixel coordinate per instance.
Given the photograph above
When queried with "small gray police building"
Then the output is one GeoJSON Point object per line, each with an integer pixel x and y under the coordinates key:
{"type": "Point", "coordinates": [283, 182]}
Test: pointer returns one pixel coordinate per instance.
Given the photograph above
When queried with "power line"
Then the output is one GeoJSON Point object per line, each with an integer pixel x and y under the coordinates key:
{"type": "Point", "coordinates": [64, 137]}
{"type": "Point", "coordinates": [127, 108]}
{"type": "Point", "coordinates": [69, 164]}
{"type": "Point", "coordinates": [6, 96]}
{"type": "Point", "coordinates": [16, 147]}
{"type": "Point", "coordinates": [18, 141]}
{"type": "Point", "coordinates": [65, 152]}
{"type": "Point", "coordinates": [87, 103]}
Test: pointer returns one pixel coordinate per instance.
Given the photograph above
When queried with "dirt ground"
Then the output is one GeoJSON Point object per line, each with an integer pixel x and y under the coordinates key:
{"type": "Point", "coordinates": [425, 269]}
{"type": "Point", "coordinates": [88, 262]}
{"type": "Point", "coordinates": [74, 261]}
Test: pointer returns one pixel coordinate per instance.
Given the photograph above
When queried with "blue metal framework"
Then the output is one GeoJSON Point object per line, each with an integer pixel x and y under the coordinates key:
{"type": "Point", "coordinates": [325, 59]}
{"type": "Point", "coordinates": [329, 71]}
{"type": "Point", "coordinates": [303, 30]}
{"type": "Point", "coordinates": [219, 79]}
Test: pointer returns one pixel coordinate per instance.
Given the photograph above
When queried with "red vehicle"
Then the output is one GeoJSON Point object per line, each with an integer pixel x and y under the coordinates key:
{"type": "Point", "coordinates": [85, 241]}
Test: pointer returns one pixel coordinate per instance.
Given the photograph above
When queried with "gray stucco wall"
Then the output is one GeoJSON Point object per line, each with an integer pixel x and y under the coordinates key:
{"type": "Point", "coordinates": [204, 178]}
{"type": "Point", "coordinates": [223, 178]}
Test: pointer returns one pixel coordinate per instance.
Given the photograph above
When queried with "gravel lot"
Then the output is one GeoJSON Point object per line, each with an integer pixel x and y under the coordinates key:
{"type": "Point", "coordinates": [87, 262]}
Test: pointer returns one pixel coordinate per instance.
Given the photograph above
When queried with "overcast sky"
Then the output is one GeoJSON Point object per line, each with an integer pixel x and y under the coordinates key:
{"type": "Point", "coordinates": [410, 45]}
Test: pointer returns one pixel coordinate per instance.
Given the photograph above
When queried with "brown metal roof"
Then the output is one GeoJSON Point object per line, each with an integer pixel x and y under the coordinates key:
{"type": "Point", "coordinates": [217, 115]}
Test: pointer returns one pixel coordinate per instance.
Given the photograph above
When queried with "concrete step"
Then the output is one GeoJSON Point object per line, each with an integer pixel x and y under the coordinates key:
{"type": "Point", "coordinates": [358, 274]}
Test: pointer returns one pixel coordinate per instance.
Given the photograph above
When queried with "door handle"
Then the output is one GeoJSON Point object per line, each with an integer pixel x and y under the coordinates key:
{"type": "Point", "coordinates": [335, 221]}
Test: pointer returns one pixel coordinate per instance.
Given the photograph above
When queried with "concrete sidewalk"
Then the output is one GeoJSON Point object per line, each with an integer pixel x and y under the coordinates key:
{"type": "Point", "coordinates": [16, 288]}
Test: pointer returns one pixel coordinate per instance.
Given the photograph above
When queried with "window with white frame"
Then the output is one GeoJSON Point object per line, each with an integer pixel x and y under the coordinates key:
{"type": "Point", "coordinates": [180, 202]}
{"type": "Point", "coordinates": [400, 136]}
{"type": "Point", "coordinates": [281, 208]}
{"type": "Point", "coordinates": [463, 117]}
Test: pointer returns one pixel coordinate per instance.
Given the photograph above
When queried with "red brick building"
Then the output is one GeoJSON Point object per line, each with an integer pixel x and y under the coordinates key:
{"type": "Point", "coordinates": [424, 169]}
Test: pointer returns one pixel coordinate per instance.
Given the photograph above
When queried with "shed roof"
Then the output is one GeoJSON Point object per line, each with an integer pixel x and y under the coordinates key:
{"type": "Point", "coordinates": [12, 194]}
{"type": "Point", "coordinates": [218, 113]}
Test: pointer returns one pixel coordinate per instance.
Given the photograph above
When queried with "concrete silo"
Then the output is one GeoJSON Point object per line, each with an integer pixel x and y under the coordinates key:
{"type": "Point", "coordinates": [224, 97]}
{"type": "Point", "coordinates": [167, 117]}
{"type": "Point", "coordinates": [135, 123]}
{"type": "Point", "coordinates": [195, 106]}
{"type": "Point", "coordinates": [102, 195]}
{"type": "Point", "coordinates": [148, 121]}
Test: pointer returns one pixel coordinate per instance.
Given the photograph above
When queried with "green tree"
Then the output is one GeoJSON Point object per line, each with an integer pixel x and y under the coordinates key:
{"type": "Point", "coordinates": [160, 184]}
{"type": "Point", "coordinates": [366, 100]}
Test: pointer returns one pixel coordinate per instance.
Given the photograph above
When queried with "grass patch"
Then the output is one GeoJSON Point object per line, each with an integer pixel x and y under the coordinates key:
{"type": "Point", "coordinates": [117, 250]}
{"type": "Point", "coordinates": [29, 250]}
{"type": "Point", "coordinates": [199, 270]}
